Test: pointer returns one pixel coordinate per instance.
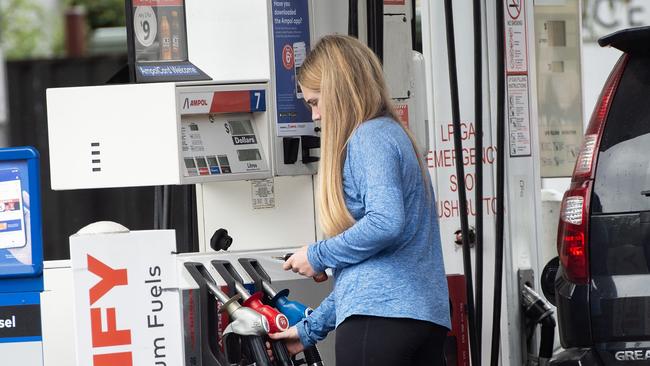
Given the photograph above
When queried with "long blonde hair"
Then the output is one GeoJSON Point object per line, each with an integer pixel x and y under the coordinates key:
{"type": "Point", "coordinates": [350, 79]}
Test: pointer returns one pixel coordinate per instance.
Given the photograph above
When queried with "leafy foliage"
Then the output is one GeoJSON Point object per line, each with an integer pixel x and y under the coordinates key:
{"type": "Point", "coordinates": [21, 29]}
{"type": "Point", "coordinates": [103, 13]}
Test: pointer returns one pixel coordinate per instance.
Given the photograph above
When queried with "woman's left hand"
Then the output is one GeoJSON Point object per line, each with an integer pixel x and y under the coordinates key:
{"type": "Point", "coordinates": [299, 263]}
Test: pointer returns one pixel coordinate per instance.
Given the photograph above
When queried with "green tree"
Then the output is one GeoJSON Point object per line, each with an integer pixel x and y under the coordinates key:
{"type": "Point", "coordinates": [21, 32]}
{"type": "Point", "coordinates": [102, 13]}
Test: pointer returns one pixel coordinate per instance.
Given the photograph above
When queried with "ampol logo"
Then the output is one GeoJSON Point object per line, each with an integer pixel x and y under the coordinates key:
{"type": "Point", "coordinates": [194, 103]}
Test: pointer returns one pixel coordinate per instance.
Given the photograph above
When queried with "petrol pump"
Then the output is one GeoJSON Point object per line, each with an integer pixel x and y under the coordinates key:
{"type": "Point", "coordinates": [541, 102]}
{"type": "Point", "coordinates": [239, 132]}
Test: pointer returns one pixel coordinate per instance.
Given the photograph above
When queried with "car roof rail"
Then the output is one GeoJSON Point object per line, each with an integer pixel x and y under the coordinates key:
{"type": "Point", "coordinates": [630, 40]}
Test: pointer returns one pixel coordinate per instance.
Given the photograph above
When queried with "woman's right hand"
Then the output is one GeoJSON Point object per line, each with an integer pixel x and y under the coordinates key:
{"type": "Point", "coordinates": [291, 340]}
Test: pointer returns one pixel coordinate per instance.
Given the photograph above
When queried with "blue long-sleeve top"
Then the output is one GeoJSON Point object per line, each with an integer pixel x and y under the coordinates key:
{"type": "Point", "coordinates": [389, 263]}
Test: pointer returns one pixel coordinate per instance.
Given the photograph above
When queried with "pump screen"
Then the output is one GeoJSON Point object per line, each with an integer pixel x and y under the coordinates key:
{"type": "Point", "coordinates": [249, 154]}
{"type": "Point", "coordinates": [241, 128]}
{"type": "Point", "coordinates": [212, 161]}
{"type": "Point", "coordinates": [189, 163]}
{"type": "Point", "coordinates": [200, 161]}
{"type": "Point", "coordinates": [12, 224]}
{"type": "Point", "coordinates": [223, 160]}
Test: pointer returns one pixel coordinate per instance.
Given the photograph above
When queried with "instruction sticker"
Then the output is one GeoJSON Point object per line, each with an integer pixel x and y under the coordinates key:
{"type": "Point", "coordinates": [515, 37]}
{"type": "Point", "coordinates": [262, 193]}
{"type": "Point", "coordinates": [518, 115]}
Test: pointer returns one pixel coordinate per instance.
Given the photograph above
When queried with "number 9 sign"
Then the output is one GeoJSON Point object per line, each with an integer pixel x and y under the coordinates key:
{"type": "Point", "coordinates": [145, 25]}
{"type": "Point", "coordinates": [287, 57]}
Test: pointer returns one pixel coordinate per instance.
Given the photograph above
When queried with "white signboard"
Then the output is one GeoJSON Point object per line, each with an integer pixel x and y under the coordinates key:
{"type": "Point", "coordinates": [125, 312]}
{"type": "Point", "coordinates": [518, 108]}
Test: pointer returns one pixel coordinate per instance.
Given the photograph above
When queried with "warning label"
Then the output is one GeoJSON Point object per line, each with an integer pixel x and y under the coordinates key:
{"type": "Point", "coordinates": [442, 160]}
{"type": "Point", "coordinates": [262, 193]}
{"type": "Point", "coordinates": [515, 37]}
{"type": "Point", "coordinates": [402, 110]}
{"type": "Point", "coordinates": [518, 115]}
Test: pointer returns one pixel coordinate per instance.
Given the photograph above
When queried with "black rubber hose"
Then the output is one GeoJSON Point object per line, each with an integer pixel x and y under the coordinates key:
{"type": "Point", "coordinates": [312, 356]}
{"type": "Point", "coordinates": [375, 16]}
{"type": "Point", "coordinates": [166, 204]}
{"type": "Point", "coordinates": [547, 337]}
{"type": "Point", "coordinates": [157, 203]}
{"type": "Point", "coordinates": [460, 173]}
{"type": "Point", "coordinates": [498, 247]}
{"type": "Point", "coordinates": [281, 354]}
{"type": "Point", "coordinates": [256, 350]}
{"type": "Point", "coordinates": [232, 348]}
{"type": "Point", "coordinates": [353, 18]}
{"type": "Point", "coordinates": [416, 39]}
{"type": "Point", "coordinates": [478, 147]}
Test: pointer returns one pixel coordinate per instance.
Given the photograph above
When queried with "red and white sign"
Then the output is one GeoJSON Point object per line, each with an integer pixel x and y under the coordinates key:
{"type": "Point", "coordinates": [287, 57]}
{"type": "Point", "coordinates": [234, 101]}
{"type": "Point", "coordinates": [403, 113]}
{"type": "Point", "coordinates": [516, 37]}
{"type": "Point", "coordinates": [125, 312]}
{"type": "Point", "coordinates": [394, 2]}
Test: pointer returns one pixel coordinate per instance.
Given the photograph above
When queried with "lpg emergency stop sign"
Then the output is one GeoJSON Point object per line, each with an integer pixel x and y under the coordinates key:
{"type": "Point", "coordinates": [125, 313]}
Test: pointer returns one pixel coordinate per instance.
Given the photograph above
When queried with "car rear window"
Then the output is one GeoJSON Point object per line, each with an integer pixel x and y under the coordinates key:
{"type": "Point", "coordinates": [623, 170]}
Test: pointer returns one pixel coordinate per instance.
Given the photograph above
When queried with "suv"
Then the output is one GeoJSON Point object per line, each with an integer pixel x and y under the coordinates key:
{"type": "Point", "coordinates": [602, 287]}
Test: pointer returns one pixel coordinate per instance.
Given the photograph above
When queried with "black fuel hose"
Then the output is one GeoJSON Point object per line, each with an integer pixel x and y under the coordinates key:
{"type": "Point", "coordinates": [353, 18]}
{"type": "Point", "coordinates": [375, 26]}
{"type": "Point", "coordinates": [281, 354]}
{"type": "Point", "coordinates": [539, 311]}
{"type": "Point", "coordinates": [256, 350]}
{"type": "Point", "coordinates": [478, 147]}
{"type": "Point", "coordinates": [547, 338]}
{"type": "Point", "coordinates": [312, 356]}
{"type": "Point", "coordinates": [460, 173]}
{"type": "Point", "coordinates": [498, 247]}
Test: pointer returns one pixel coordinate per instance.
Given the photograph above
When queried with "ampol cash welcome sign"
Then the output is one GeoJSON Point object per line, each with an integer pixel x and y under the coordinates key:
{"type": "Point", "coordinates": [125, 312]}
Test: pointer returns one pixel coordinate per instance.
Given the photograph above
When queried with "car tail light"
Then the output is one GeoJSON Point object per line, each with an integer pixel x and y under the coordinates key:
{"type": "Point", "coordinates": [573, 233]}
{"type": "Point", "coordinates": [573, 230]}
{"type": "Point", "coordinates": [585, 163]}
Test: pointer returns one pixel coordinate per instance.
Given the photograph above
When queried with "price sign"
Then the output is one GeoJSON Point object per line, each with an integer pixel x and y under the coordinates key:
{"type": "Point", "coordinates": [157, 37]}
{"type": "Point", "coordinates": [145, 25]}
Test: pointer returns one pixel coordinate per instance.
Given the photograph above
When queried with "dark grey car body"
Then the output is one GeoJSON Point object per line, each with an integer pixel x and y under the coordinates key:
{"type": "Point", "coordinates": [607, 322]}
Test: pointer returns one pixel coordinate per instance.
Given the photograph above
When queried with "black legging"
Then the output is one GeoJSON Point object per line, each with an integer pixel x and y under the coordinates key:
{"type": "Point", "coordinates": [378, 341]}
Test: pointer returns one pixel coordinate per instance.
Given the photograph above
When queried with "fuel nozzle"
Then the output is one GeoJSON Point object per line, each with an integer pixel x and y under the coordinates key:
{"type": "Point", "coordinates": [278, 322]}
{"type": "Point", "coordinates": [293, 310]}
{"type": "Point", "coordinates": [539, 311]}
{"type": "Point", "coordinates": [244, 321]}
{"type": "Point", "coordinates": [535, 307]}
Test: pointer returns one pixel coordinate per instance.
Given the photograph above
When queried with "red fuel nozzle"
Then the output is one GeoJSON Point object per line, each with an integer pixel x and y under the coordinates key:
{"type": "Point", "coordinates": [278, 322]}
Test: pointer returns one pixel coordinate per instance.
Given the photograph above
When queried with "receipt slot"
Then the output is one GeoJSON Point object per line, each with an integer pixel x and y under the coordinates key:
{"type": "Point", "coordinates": [21, 258]}
{"type": "Point", "coordinates": [157, 134]}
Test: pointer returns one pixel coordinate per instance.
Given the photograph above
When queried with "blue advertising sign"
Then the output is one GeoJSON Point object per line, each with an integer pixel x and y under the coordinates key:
{"type": "Point", "coordinates": [291, 45]}
{"type": "Point", "coordinates": [21, 251]}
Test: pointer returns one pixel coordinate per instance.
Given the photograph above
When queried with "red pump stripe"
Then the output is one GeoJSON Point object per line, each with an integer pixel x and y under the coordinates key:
{"type": "Point", "coordinates": [231, 101]}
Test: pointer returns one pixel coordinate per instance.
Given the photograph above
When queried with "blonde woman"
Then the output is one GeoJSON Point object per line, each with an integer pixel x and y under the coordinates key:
{"type": "Point", "coordinates": [390, 303]}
